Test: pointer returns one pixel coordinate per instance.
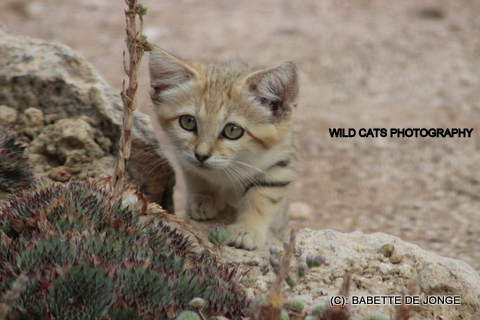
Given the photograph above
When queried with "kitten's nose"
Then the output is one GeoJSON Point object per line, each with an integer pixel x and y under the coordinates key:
{"type": "Point", "coordinates": [202, 157]}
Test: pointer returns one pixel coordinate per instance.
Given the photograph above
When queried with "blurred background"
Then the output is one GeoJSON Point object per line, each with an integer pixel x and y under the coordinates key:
{"type": "Point", "coordinates": [363, 64]}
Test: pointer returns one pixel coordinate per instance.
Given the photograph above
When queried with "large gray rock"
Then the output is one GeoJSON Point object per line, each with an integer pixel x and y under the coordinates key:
{"type": "Point", "coordinates": [380, 265]}
{"type": "Point", "coordinates": [54, 79]}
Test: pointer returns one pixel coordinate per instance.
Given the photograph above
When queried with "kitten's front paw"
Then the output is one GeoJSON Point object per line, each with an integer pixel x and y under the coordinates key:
{"type": "Point", "coordinates": [243, 238]}
{"type": "Point", "coordinates": [203, 207]}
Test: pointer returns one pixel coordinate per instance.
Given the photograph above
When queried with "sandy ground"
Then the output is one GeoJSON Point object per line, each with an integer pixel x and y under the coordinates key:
{"type": "Point", "coordinates": [363, 64]}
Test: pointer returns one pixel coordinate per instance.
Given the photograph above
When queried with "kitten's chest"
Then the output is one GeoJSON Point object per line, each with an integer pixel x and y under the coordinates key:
{"type": "Point", "coordinates": [233, 196]}
{"type": "Point", "coordinates": [229, 187]}
{"type": "Point", "coordinates": [230, 190]}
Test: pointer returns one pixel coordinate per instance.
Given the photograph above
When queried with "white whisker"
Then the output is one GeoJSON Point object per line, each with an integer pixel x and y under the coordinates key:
{"type": "Point", "coordinates": [266, 174]}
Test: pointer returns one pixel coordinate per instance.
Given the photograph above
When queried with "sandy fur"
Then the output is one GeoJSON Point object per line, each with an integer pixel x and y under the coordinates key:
{"type": "Point", "coordinates": [251, 173]}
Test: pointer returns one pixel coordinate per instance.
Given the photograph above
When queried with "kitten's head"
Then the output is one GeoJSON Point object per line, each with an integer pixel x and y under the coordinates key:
{"type": "Point", "coordinates": [219, 115]}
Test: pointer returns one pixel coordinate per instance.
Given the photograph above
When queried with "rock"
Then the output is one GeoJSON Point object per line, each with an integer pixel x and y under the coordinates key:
{"type": "Point", "coordinates": [62, 173]}
{"type": "Point", "coordinates": [56, 81]}
{"type": "Point", "coordinates": [34, 117]}
{"type": "Point", "coordinates": [33, 122]}
{"type": "Point", "coordinates": [357, 253]}
{"type": "Point", "coordinates": [71, 149]}
{"type": "Point", "coordinates": [69, 142]}
{"type": "Point", "coordinates": [372, 272]}
{"type": "Point", "coordinates": [51, 118]}
{"type": "Point", "coordinates": [8, 115]}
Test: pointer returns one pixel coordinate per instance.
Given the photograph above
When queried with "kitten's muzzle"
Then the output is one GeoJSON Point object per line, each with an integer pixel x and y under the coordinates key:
{"type": "Point", "coordinates": [202, 157]}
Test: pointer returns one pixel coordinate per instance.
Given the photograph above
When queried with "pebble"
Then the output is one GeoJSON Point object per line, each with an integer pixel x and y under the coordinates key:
{"type": "Point", "coordinates": [8, 115]}
{"type": "Point", "coordinates": [34, 117]}
{"type": "Point", "coordinates": [34, 121]}
{"type": "Point", "coordinates": [396, 258]}
{"type": "Point", "coordinates": [387, 250]}
{"type": "Point", "coordinates": [405, 271]}
{"type": "Point", "coordinates": [261, 285]}
{"type": "Point", "coordinates": [62, 173]}
{"type": "Point", "coordinates": [385, 268]}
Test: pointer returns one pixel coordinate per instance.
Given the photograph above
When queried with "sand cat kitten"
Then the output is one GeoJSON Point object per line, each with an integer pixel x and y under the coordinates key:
{"type": "Point", "coordinates": [231, 127]}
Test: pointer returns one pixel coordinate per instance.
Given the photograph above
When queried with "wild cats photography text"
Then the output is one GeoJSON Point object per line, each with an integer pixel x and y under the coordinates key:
{"type": "Point", "coordinates": [401, 132]}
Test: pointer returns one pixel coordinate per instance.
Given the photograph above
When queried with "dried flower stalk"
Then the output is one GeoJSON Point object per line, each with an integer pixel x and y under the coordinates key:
{"type": "Point", "coordinates": [136, 46]}
{"type": "Point", "coordinates": [273, 303]}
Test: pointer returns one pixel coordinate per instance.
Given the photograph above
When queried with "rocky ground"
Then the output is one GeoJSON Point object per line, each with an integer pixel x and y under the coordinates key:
{"type": "Point", "coordinates": [363, 64]}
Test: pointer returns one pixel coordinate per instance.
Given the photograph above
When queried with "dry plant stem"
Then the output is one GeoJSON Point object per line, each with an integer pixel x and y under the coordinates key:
{"type": "Point", "coordinates": [135, 51]}
{"type": "Point", "coordinates": [136, 46]}
{"type": "Point", "coordinates": [272, 306]}
{"type": "Point", "coordinates": [403, 311]}
{"type": "Point", "coordinates": [201, 314]}
{"type": "Point", "coordinates": [282, 274]}
{"type": "Point", "coordinates": [340, 312]}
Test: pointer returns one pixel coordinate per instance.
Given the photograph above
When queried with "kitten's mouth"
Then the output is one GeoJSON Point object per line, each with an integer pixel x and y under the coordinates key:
{"type": "Point", "coordinates": [202, 165]}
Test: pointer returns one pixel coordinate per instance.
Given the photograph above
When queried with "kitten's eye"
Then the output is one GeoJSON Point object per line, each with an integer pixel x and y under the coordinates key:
{"type": "Point", "coordinates": [188, 122]}
{"type": "Point", "coordinates": [232, 131]}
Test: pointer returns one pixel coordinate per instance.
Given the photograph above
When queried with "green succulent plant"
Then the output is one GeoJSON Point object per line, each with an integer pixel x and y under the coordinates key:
{"type": "Point", "coordinates": [378, 316]}
{"type": "Point", "coordinates": [356, 316]}
{"type": "Point", "coordinates": [188, 315]}
{"type": "Point", "coordinates": [15, 168]}
{"type": "Point", "coordinates": [319, 309]}
{"type": "Point", "coordinates": [218, 236]}
{"type": "Point", "coordinates": [296, 305]}
{"type": "Point", "coordinates": [197, 303]}
{"type": "Point", "coordinates": [89, 255]}
{"type": "Point", "coordinates": [284, 315]}
{"type": "Point", "coordinates": [83, 293]}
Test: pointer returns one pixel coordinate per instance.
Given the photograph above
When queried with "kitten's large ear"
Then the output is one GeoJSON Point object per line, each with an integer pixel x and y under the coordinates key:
{"type": "Point", "coordinates": [167, 71]}
{"type": "Point", "coordinates": [276, 88]}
